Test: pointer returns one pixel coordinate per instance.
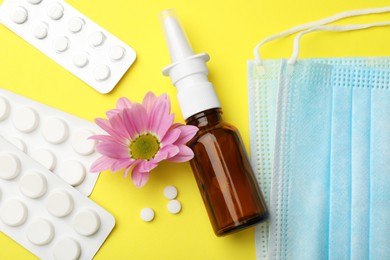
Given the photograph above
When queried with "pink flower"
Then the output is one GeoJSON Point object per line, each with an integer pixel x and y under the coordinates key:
{"type": "Point", "coordinates": [140, 136]}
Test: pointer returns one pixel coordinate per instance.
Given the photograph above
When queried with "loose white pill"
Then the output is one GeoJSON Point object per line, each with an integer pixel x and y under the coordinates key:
{"type": "Point", "coordinates": [19, 15]}
{"type": "Point", "coordinates": [9, 166]}
{"type": "Point", "coordinates": [59, 204]}
{"type": "Point", "coordinates": [80, 60]}
{"type": "Point", "coordinates": [34, 2]}
{"type": "Point", "coordinates": [116, 53]}
{"type": "Point", "coordinates": [81, 144]}
{"type": "Point", "coordinates": [170, 192]}
{"type": "Point", "coordinates": [174, 206]}
{"type": "Point", "coordinates": [75, 25]}
{"type": "Point", "coordinates": [40, 232]}
{"type": "Point", "coordinates": [55, 130]}
{"type": "Point", "coordinates": [25, 119]}
{"type": "Point", "coordinates": [67, 249]}
{"type": "Point", "coordinates": [4, 108]}
{"type": "Point", "coordinates": [147, 214]}
{"type": "Point", "coordinates": [96, 39]}
{"type": "Point", "coordinates": [13, 213]}
{"type": "Point", "coordinates": [21, 145]}
{"type": "Point", "coordinates": [61, 44]}
{"type": "Point", "coordinates": [86, 223]}
{"type": "Point", "coordinates": [101, 72]}
{"type": "Point", "coordinates": [55, 11]}
{"type": "Point", "coordinates": [73, 172]}
{"type": "Point", "coordinates": [45, 158]}
{"type": "Point", "coordinates": [40, 31]}
{"type": "Point", "coordinates": [33, 185]}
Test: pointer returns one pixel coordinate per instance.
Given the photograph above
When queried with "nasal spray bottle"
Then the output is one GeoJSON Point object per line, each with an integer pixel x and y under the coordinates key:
{"type": "Point", "coordinates": [221, 166]}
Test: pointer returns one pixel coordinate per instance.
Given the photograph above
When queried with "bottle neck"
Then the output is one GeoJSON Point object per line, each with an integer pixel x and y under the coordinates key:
{"type": "Point", "coordinates": [207, 118]}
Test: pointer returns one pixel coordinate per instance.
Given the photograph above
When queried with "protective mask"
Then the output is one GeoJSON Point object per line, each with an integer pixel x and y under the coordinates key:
{"type": "Point", "coordinates": [329, 233]}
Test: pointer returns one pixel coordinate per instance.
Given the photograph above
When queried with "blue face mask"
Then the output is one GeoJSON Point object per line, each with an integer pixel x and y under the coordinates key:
{"type": "Point", "coordinates": [327, 186]}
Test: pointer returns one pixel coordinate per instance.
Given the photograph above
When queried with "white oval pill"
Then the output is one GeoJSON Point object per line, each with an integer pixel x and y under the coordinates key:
{"type": "Point", "coordinates": [55, 130]}
{"type": "Point", "coordinates": [96, 39]}
{"type": "Point", "coordinates": [116, 53]}
{"type": "Point", "coordinates": [34, 2]}
{"type": "Point", "coordinates": [40, 31]}
{"type": "Point", "coordinates": [9, 166]}
{"type": "Point", "coordinates": [170, 192]}
{"type": "Point", "coordinates": [81, 144]}
{"type": "Point", "coordinates": [20, 144]}
{"type": "Point", "coordinates": [55, 11]}
{"type": "Point", "coordinates": [67, 249]}
{"type": "Point", "coordinates": [59, 204]}
{"type": "Point", "coordinates": [80, 60]}
{"type": "Point", "coordinates": [73, 172]}
{"type": "Point", "coordinates": [174, 206]}
{"type": "Point", "coordinates": [147, 214]}
{"type": "Point", "coordinates": [101, 72]}
{"type": "Point", "coordinates": [40, 232]}
{"type": "Point", "coordinates": [33, 185]}
{"type": "Point", "coordinates": [75, 25]}
{"type": "Point", "coordinates": [19, 15]}
{"type": "Point", "coordinates": [4, 108]}
{"type": "Point", "coordinates": [13, 213]}
{"type": "Point", "coordinates": [45, 158]}
{"type": "Point", "coordinates": [25, 119]}
{"type": "Point", "coordinates": [61, 44]}
{"type": "Point", "coordinates": [86, 223]}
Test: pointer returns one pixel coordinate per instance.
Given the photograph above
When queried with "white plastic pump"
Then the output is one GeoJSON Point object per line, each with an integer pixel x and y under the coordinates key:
{"type": "Point", "coordinates": [188, 71]}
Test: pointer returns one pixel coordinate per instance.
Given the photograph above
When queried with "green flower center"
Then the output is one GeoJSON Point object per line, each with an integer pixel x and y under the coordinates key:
{"type": "Point", "coordinates": [144, 147]}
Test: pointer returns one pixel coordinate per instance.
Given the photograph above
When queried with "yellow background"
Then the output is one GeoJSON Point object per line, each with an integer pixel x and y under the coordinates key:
{"type": "Point", "coordinates": [228, 30]}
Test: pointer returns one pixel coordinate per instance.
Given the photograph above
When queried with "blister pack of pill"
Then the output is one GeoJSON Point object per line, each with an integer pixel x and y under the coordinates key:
{"type": "Point", "coordinates": [46, 215]}
{"type": "Point", "coordinates": [71, 39]}
{"type": "Point", "coordinates": [55, 139]}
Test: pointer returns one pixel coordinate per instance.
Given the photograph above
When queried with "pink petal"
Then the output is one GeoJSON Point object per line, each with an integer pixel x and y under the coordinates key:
{"type": "Point", "coordinates": [123, 103]}
{"type": "Point", "coordinates": [166, 152]}
{"type": "Point", "coordinates": [159, 112]}
{"type": "Point", "coordinates": [122, 164]}
{"type": "Point", "coordinates": [113, 112]}
{"type": "Point", "coordinates": [139, 116]}
{"type": "Point", "coordinates": [171, 136]}
{"type": "Point", "coordinates": [149, 99]}
{"type": "Point", "coordinates": [106, 126]}
{"type": "Point", "coordinates": [129, 123]}
{"type": "Point", "coordinates": [187, 133]}
{"type": "Point", "coordinates": [165, 124]}
{"type": "Point", "coordinates": [113, 150]}
{"type": "Point", "coordinates": [102, 138]}
{"type": "Point", "coordinates": [145, 166]}
{"type": "Point", "coordinates": [116, 123]}
{"type": "Point", "coordinates": [101, 164]}
{"type": "Point", "coordinates": [140, 178]}
{"type": "Point", "coordinates": [184, 155]}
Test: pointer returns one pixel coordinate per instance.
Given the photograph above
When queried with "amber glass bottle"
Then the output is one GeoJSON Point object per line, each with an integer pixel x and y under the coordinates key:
{"type": "Point", "coordinates": [225, 179]}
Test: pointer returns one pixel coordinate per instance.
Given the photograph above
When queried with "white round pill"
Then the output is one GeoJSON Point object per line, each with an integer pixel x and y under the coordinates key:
{"type": "Point", "coordinates": [4, 108]}
{"type": "Point", "coordinates": [55, 11]}
{"type": "Point", "coordinates": [25, 119]}
{"type": "Point", "coordinates": [61, 44]}
{"type": "Point", "coordinates": [96, 39]}
{"type": "Point", "coordinates": [19, 15]}
{"type": "Point", "coordinates": [147, 214]}
{"type": "Point", "coordinates": [80, 60]}
{"type": "Point", "coordinates": [34, 2]}
{"type": "Point", "coordinates": [81, 144]}
{"type": "Point", "coordinates": [86, 223]}
{"type": "Point", "coordinates": [67, 249]}
{"type": "Point", "coordinates": [21, 145]}
{"type": "Point", "coordinates": [101, 72]}
{"type": "Point", "coordinates": [174, 206]}
{"type": "Point", "coordinates": [55, 130]}
{"type": "Point", "coordinates": [45, 158]}
{"type": "Point", "coordinates": [33, 185]}
{"type": "Point", "coordinates": [40, 232]}
{"type": "Point", "coordinates": [170, 192]}
{"type": "Point", "coordinates": [9, 166]}
{"type": "Point", "coordinates": [116, 53]}
{"type": "Point", "coordinates": [75, 25]}
{"type": "Point", "coordinates": [13, 213]}
{"type": "Point", "coordinates": [40, 31]}
{"type": "Point", "coordinates": [59, 204]}
{"type": "Point", "coordinates": [73, 172]}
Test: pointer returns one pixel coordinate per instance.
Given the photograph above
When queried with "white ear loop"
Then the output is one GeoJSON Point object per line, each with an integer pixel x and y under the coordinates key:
{"type": "Point", "coordinates": [333, 28]}
{"type": "Point", "coordinates": [334, 18]}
